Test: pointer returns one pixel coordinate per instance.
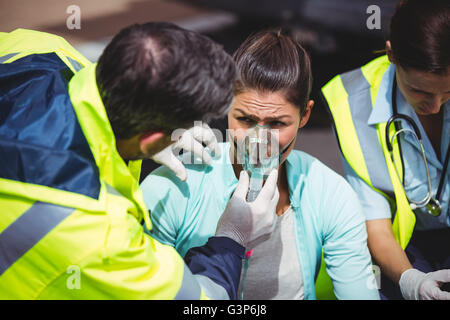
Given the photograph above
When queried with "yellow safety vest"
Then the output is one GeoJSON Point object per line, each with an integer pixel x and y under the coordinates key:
{"type": "Point", "coordinates": [351, 97]}
{"type": "Point", "coordinates": [61, 242]}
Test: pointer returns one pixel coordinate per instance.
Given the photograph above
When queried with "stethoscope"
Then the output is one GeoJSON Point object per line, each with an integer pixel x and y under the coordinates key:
{"type": "Point", "coordinates": [431, 203]}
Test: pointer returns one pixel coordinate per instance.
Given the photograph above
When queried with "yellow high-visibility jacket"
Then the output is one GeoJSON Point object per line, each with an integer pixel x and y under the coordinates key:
{"type": "Point", "coordinates": [351, 97]}
{"type": "Point", "coordinates": [70, 207]}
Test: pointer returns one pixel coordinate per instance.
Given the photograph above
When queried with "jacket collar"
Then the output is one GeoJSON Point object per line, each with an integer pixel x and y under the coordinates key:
{"type": "Point", "coordinates": [94, 122]}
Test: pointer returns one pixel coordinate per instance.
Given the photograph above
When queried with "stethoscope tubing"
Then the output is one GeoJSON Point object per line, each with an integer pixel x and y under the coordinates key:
{"type": "Point", "coordinates": [416, 133]}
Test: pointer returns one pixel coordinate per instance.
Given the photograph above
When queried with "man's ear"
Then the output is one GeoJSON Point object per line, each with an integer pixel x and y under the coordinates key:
{"type": "Point", "coordinates": [389, 52]}
{"type": "Point", "coordinates": [306, 114]}
{"type": "Point", "coordinates": [149, 141]}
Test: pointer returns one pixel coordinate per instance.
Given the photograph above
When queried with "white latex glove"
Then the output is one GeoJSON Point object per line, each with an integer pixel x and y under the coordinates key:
{"type": "Point", "coordinates": [248, 222]}
{"type": "Point", "coordinates": [190, 141]}
{"type": "Point", "coordinates": [416, 285]}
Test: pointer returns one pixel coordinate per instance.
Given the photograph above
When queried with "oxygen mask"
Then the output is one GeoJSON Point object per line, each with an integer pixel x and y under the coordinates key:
{"type": "Point", "coordinates": [261, 152]}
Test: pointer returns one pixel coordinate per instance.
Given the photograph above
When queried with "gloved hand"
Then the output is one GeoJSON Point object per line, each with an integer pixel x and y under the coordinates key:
{"type": "Point", "coordinates": [416, 285]}
{"type": "Point", "coordinates": [190, 141]}
{"type": "Point", "coordinates": [248, 222]}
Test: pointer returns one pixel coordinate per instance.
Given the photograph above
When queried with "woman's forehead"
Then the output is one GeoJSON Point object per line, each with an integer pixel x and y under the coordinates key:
{"type": "Point", "coordinates": [426, 81]}
{"type": "Point", "coordinates": [263, 104]}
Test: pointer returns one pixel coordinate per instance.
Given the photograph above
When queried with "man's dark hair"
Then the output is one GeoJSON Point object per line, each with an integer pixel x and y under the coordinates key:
{"type": "Point", "coordinates": [158, 76]}
{"type": "Point", "coordinates": [420, 35]}
{"type": "Point", "coordinates": [271, 61]}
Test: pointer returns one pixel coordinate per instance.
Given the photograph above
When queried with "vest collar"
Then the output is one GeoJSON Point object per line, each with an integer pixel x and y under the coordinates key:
{"type": "Point", "coordinates": [382, 109]}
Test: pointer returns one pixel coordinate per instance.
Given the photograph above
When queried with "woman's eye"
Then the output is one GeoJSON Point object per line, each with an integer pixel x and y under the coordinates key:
{"type": "Point", "coordinates": [277, 124]}
{"type": "Point", "coordinates": [244, 119]}
{"type": "Point", "coordinates": [417, 91]}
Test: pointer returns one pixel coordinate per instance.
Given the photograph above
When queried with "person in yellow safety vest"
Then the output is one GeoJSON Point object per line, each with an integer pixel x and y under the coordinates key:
{"type": "Point", "coordinates": [72, 134]}
{"type": "Point", "coordinates": [392, 121]}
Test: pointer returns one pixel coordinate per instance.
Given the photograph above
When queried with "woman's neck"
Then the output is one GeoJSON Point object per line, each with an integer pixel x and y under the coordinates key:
{"type": "Point", "coordinates": [283, 187]}
{"type": "Point", "coordinates": [432, 124]}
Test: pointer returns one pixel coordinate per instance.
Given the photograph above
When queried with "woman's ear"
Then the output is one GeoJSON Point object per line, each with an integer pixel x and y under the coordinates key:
{"type": "Point", "coordinates": [306, 114]}
{"type": "Point", "coordinates": [389, 52]}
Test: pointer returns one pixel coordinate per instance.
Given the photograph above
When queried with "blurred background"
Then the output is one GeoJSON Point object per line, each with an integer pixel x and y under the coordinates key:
{"type": "Point", "coordinates": [335, 33]}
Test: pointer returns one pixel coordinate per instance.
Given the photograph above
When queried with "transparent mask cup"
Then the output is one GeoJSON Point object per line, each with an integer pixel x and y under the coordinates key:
{"type": "Point", "coordinates": [261, 152]}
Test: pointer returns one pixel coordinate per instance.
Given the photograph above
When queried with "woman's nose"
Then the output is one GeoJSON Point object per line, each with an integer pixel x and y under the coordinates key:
{"type": "Point", "coordinates": [435, 103]}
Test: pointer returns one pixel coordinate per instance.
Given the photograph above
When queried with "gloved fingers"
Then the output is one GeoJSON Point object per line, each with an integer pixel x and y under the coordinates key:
{"type": "Point", "coordinates": [433, 292]}
{"type": "Point", "coordinates": [163, 155]}
{"type": "Point", "coordinates": [205, 135]}
{"type": "Point", "coordinates": [270, 187]}
{"type": "Point", "coordinates": [190, 144]}
{"type": "Point", "coordinates": [242, 187]}
{"type": "Point", "coordinates": [210, 139]}
{"type": "Point", "coordinates": [167, 158]}
{"type": "Point", "coordinates": [276, 197]}
{"type": "Point", "coordinates": [442, 295]}
{"type": "Point", "coordinates": [441, 275]}
{"type": "Point", "coordinates": [273, 206]}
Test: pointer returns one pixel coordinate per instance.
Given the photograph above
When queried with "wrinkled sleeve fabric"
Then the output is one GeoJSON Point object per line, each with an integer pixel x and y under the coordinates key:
{"type": "Point", "coordinates": [166, 200]}
{"type": "Point", "coordinates": [375, 206]}
{"type": "Point", "coordinates": [215, 265]}
{"type": "Point", "coordinates": [345, 248]}
{"type": "Point", "coordinates": [220, 260]}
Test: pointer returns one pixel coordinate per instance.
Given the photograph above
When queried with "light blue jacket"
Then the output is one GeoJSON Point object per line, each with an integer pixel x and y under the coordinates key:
{"type": "Point", "coordinates": [328, 217]}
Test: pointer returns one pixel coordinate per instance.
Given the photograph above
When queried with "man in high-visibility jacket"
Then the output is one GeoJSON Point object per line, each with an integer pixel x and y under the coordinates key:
{"type": "Point", "coordinates": [377, 109]}
{"type": "Point", "coordinates": [71, 136]}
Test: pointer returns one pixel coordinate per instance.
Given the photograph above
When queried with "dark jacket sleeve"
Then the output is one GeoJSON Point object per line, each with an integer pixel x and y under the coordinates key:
{"type": "Point", "coordinates": [220, 259]}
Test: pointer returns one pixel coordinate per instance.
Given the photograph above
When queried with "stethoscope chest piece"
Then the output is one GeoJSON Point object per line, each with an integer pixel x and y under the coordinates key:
{"type": "Point", "coordinates": [434, 207]}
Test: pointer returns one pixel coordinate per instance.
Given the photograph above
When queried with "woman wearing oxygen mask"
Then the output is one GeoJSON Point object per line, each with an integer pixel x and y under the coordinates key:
{"type": "Point", "coordinates": [317, 211]}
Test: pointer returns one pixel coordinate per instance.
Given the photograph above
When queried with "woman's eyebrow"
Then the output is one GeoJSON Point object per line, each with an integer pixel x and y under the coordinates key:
{"type": "Point", "coordinates": [279, 117]}
{"type": "Point", "coordinates": [417, 89]}
{"type": "Point", "coordinates": [256, 117]}
{"type": "Point", "coordinates": [246, 114]}
{"type": "Point", "coordinates": [420, 90]}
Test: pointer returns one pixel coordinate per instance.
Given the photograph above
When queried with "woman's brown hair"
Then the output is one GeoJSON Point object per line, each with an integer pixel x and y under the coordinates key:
{"type": "Point", "coordinates": [420, 35]}
{"type": "Point", "coordinates": [271, 61]}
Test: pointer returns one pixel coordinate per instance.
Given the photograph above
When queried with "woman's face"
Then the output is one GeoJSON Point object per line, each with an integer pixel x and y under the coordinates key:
{"type": "Point", "coordinates": [270, 109]}
{"type": "Point", "coordinates": [424, 91]}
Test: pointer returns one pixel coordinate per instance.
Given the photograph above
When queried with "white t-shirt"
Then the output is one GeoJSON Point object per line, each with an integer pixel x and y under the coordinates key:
{"type": "Point", "coordinates": [274, 271]}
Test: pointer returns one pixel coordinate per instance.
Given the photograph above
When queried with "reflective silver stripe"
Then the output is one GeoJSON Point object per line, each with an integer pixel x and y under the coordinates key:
{"type": "Point", "coordinates": [190, 288]}
{"type": "Point", "coordinates": [75, 64]}
{"type": "Point", "coordinates": [112, 190]}
{"type": "Point", "coordinates": [360, 103]}
{"type": "Point", "coordinates": [212, 290]}
{"type": "Point", "coordinates": [28, 230]}
{"type": "Point", "coordinates": [7, 57]}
